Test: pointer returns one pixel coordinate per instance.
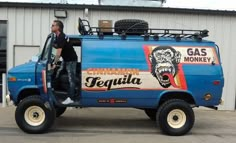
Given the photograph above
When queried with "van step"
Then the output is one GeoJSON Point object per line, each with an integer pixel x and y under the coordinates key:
{"type": "Point", "coordinates": [75, 104]}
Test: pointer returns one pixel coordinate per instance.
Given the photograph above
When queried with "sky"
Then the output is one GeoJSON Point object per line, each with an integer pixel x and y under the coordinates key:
{"type": "Point", "coordinates": [197, 4]}
{"type": "Point", "coordinates": [203, 4]}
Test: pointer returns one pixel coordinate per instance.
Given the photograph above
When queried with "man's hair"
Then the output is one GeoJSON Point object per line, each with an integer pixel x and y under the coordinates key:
{"type": "Point", "coordinates": [59, 24]}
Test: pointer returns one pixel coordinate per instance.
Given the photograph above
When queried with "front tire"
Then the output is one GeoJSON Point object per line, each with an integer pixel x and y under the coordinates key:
{"type": "Point", "coordinates": [175, 117]}
{"type": "Point", "coordinates": [34, 116]}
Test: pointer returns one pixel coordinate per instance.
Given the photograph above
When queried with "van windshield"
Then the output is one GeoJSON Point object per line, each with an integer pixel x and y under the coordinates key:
{"type": "Point", "coordinates": [46, 49]}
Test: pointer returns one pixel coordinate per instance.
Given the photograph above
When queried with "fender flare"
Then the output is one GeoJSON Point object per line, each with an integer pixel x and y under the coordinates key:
{"type": "Point", "coordinates": [175, 94]}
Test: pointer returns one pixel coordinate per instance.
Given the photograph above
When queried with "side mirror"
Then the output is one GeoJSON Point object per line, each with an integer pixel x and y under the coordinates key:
{"type": "Point", "coordinates": [34, 58]}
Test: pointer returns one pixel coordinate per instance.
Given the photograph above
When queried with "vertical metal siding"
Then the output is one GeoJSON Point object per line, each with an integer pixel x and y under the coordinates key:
{"type": "Point", "coordinates": [11, 17]}
{"type": "Point", "coordinates": [27, 26]}
{"type": "Point", "coordinates": [36, 27]}
{"type": "Point", "coordinates": [3, 15]}
{"type": "Point", "coordinates": [20, 26]}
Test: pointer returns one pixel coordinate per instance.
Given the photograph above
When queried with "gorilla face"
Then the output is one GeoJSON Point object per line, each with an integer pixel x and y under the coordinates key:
{"type": "Point", "coordinates": [165, 60]}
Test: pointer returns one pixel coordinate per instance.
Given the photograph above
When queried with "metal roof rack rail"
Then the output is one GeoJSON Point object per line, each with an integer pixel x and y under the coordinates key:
{"type": "Point", "coordinates": [178, 34]}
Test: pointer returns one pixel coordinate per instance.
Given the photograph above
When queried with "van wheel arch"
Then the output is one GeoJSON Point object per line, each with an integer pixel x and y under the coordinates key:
{"type": "Point", "coordinates": [26, 93]}
{"type": "Point", "coordinates": [187, 97]}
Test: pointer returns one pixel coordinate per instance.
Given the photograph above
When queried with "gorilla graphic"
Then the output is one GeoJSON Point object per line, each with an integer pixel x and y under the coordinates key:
{"type": "Point", "coordinates": [164, 61]}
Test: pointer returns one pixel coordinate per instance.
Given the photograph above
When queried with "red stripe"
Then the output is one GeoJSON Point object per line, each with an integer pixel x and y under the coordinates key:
{"type": "Point", "coordinates": [182, 77]}
{"type": "Point", "coordinates": [147, 53]}
{"type": "Point", "coordinates": [44, 81]}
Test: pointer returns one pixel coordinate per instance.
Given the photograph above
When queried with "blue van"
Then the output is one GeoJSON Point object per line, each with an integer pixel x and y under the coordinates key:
{"type": "Point", "coordinates": [165, 72]}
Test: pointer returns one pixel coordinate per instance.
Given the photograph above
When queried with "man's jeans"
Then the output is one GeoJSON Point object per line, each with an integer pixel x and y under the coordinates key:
{"type": "Point", "coordinates": [71, 71]}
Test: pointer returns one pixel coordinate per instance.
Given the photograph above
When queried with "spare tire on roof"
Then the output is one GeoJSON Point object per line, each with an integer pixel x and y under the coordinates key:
{"type": "Point", "coordinates": [131, 26]}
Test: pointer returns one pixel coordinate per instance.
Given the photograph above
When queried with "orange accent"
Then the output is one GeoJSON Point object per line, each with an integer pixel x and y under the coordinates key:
{"type": "Point", "coordinates": [147, 52]}
{"type": "Point", "coordinates": [88, 71]}
{"type": "Point", "coordinates": [121, 74]}
{"type": "Point", "coordinates": [177, 81]}
{"type": "Point", "coordinates": [182, 77]}
{"type": "Point", "coordinates": [12, 79]}
{"type": "Point", "coordinates": [112, 71]}
{"type": "Point", "coordinates": [44, 81]}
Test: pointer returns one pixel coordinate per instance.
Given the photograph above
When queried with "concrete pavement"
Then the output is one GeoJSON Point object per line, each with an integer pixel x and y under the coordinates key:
{"type": "Point", "coordinates": [109, 125]}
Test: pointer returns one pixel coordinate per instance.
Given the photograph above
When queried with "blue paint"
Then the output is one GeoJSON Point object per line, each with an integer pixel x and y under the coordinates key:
{"type": "Point", "coordinates": [112, 52]}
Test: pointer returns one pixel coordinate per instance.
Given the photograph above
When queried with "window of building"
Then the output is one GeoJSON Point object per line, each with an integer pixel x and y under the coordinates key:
{"type": "Point", "coordinates": [3, 47]}
{"type": "Point", "coordinates": [3, 34]}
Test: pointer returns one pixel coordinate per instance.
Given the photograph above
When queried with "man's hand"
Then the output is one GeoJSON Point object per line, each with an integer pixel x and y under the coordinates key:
{"type": "Point", "coordinates": [53, 66]}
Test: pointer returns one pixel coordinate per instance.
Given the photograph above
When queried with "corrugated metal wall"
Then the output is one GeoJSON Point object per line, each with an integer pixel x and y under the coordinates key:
{"type": "Point", "coordinates": [27, 26]}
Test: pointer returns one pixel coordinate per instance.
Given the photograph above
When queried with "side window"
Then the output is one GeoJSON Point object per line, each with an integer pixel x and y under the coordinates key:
{"type": "Point", "coordinates": [218, 52]}
{"type": "Point", "coordinates": [78, 52]}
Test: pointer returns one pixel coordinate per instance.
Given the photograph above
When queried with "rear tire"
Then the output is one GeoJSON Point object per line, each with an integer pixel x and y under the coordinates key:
{"type": "Point", "coordinates": [175, 117]}
{"type": "Point", "coordinates": [151, 113]}
{"type": "Point", "coordinates": [34, 116]}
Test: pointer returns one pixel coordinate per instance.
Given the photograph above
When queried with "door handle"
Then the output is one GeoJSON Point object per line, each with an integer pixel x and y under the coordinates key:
{"type": "Point", "coordinates": [213, 61]}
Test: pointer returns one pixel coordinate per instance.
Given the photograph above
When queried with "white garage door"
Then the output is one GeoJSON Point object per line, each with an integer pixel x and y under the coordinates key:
{"type": "Point", "coordinates": [23, 54]}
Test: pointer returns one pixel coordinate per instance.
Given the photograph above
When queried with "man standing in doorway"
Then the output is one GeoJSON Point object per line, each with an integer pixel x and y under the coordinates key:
{"type": "Point", "coordinates": [68, 54]}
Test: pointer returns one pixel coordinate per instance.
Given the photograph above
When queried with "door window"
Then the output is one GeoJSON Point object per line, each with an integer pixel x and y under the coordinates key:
{"type": "Point", "coordinates": [46, 49]}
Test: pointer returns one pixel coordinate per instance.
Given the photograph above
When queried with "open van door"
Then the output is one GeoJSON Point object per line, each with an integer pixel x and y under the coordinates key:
{"type": "Point", "coordinates": [55, 81]}
{"type": "Point", "coordinates": [43, 67]}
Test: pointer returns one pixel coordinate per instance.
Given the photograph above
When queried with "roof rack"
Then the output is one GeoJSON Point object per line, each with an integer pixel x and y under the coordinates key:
{"type": "Point", "coordinates": [85, 29]}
